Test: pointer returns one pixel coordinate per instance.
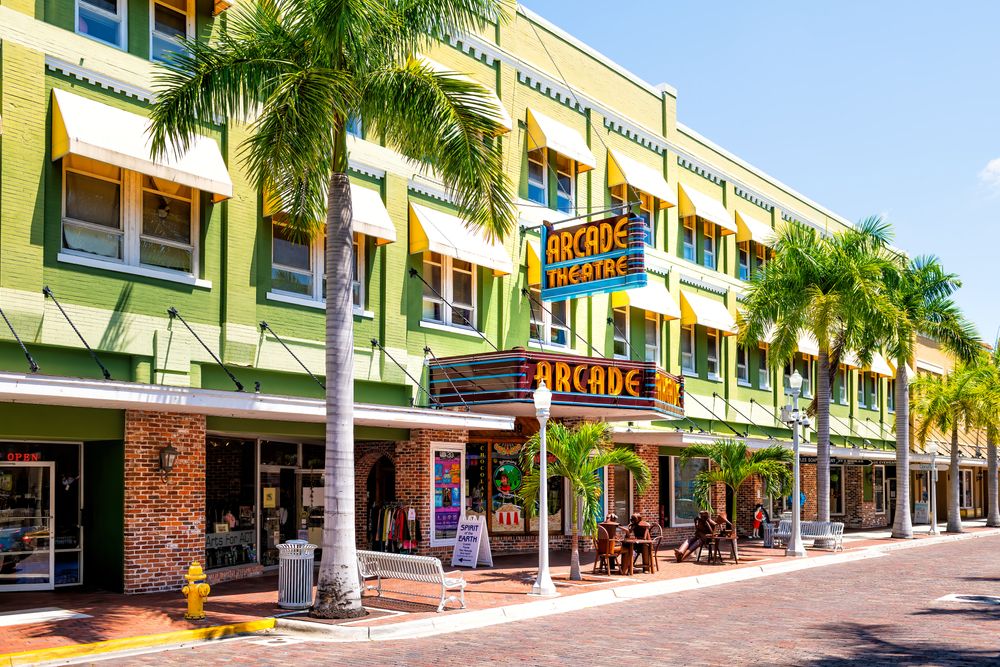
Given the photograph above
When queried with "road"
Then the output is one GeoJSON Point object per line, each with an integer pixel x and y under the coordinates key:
{"type": "Point", "coordinates": [879, 611]}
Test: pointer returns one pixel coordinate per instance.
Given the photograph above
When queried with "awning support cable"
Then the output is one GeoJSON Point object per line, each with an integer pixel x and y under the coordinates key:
{"type": "Point", "coordinates": [447, 375]}
{"type": "Point", "coordinates": [764, 408]}
{"type": "Point", "coordinates": [378, 345]}
{"type": "Point", "coordinates": [737, 410]}
{"type": "Point", "coordinates": [628, 343]}
{"type": "Point", "coordinates": [541, 304]}
{"type": "Point", "coordinates": [27, 355]}
{"type": "Point", "coordinates": [717, 417]}
{"type": "Point", "coordinates": [264, 326]}
{"type": "Point", "coordinates": [416, 274]}
{"type": "Point", "coordinates": [93, 355]}
{"type": "Point", "coordinates": [175, 315]}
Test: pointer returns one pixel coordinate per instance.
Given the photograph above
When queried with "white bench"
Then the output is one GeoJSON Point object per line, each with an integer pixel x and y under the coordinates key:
{"type": "Point", "coordinates": [813, 530]}
{"type": "Point", "coordinates": [421, 569]}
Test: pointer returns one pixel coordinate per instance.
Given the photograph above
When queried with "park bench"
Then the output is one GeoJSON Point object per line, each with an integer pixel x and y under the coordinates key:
{"type": "Point", "coordinates": [813, 530]}
{"type": "Point", "coordinates": [421, 569]}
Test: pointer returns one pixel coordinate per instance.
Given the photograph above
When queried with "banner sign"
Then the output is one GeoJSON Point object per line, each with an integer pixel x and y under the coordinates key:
{"type": "Point", "coordinates": [834, 461]}
{"type": "Point", "coordinates": [472, 544]}
{"type": "Point", "coordinates": [600, 256]}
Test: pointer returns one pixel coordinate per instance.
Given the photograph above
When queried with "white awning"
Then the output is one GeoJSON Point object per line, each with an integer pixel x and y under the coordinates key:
{"type": "Point", "coordinates": [692, 202]}
{"type": "Point", "coordinates": [752, 229]}
{"type": "Point", "coordinates": [501, 115]}
{"type": "Point", "coordinates": [850, 359]}
{"type": "Point", "coordinates": [654, 297]}
{"type": "Point", "coordinates": [114, 136]}
{"type": "Point", "coordinates": [435, 231]}
{"type": "Point", "coordinates": [543, 132]}
{"type": "Point", "coordinates": [910, 373]}
{"type": "Point", "coordinates": [807, 344]}
{"type": "Point", "coordinates": [623, 169]}
{"type": "Point", "coordinates": [369, 215]}
{"type": "Point", "coordinates": [697, 309]}
{"type": "Point", "coordinates": [534, 215]}
{"type": "Point", "coordinates": [533, 250]}
{"type": "Point", "coordinates": [880, 366]}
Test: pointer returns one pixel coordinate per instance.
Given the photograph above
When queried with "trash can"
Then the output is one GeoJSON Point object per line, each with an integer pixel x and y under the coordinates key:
{"type": "Point", "coordinates": [295, 574]}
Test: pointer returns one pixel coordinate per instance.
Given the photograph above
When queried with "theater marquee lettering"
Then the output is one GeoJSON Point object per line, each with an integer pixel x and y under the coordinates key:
{"type": "Point", "coordinates": [605, 380]}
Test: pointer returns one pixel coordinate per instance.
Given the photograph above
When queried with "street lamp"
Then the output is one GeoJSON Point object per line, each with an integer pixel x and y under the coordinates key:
{"type": "Point", "coordinates": [932, 476]}
{"type": "Point", "coordinates": [791, 416]}
{"type": "Point", "coordinates": [543, 584]}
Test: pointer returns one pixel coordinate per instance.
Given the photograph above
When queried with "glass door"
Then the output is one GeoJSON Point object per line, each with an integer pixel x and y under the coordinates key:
{"type": "Point", "coordinates": [26, 502]}
{"type": "Point", "coordinates": [277, 514]}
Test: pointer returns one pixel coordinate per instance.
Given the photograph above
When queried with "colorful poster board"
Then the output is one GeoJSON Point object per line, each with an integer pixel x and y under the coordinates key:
{"type": "Point", "coordinates": [447, 493]}
{"type": "Point", "coordinates": [472, 543]}
{"type": "Point", "coordinates": [508, 510]}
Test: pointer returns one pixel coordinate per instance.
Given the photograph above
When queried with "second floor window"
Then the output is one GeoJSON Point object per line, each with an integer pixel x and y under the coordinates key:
{"type": "Point", "coordinates": [687, 241]}
{"type": "Point", "coordinates": [172, 19]}
{"type": "Point", "coordinates": [298, 265]}
{"type": "Point", "coordinates": [565, 184]}
{"type": "Point", "coordinates": [687, 349]}
{"type": "Point", "coordinates": [842, 386]}
{"type": "Point", "coordinates": [103, 20]}
{"type": "Point", "coordinates": [742, 366]}
{"type": "Point", "coordinates": [712, 354]}
{"type": "Point", "coordinates": [619, 320]}
{"type": "Point", "coordinates": [652, 333]}
{"type": "Point", "coordinates": [807, 377]}
{"type": "Point", "coordinates": [549, 321]}
{"type": "Point", "coordinates": [890, 395]}
{"type": "Point", "coordinates": [763, 375]}
{"type": "Point", "coordinates": [708, 245]}
{"type": "Point", "coordinates": [455, 281]}
{"type": "Point", "coordinates": [537, 177]}
{"type": "Point", "coordinates": [619, 197]}
{"type": "Point", "coordinates": [744, 263]}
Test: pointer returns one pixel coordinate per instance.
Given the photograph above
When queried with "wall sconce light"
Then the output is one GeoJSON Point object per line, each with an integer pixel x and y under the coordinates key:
{"type": "Point", "coordinates": [168, 457]}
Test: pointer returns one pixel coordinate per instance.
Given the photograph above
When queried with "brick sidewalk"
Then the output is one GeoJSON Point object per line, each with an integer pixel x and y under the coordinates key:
{"type": "Point", "coordinates": [114, 616]}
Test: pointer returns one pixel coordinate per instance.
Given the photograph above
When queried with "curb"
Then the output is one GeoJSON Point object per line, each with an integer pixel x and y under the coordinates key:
{"type": "Point", "coordinates": [78, 651]}
{"type": "Point", "coordinates": [480, 618]}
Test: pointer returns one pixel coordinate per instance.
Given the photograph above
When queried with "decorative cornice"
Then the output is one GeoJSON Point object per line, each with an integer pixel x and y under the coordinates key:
{"type": "Point", "coordinates": [548, 86]}
{"type": "Point", "coordinates": [366, 169]}
{"type": "Point", "coordinates": [693, 164]}
{"type": "Point", "coordinates": [656, 265]}
{"type": "Point", "coordinates": [753, 198]}
{"type": "Point", "coordinates": [478, 49]}
{"type": "Point", "coordinates": [635, 133]}
{"type": "Point", "coordinates": [693, 281]}
{"type": "Point", "coordinates": [431, 189]}
{"type": "Point", "coordinates": [97, 79]}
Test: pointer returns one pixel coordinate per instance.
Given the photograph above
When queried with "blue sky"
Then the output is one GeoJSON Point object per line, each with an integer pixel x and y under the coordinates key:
{"type": "Point", "coordinates": [888, 108]}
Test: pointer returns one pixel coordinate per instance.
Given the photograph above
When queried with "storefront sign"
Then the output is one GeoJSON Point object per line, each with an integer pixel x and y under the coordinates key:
{"type": "Point", "coordinates": [472, 543]}
{"type": "Point", "coordinates": [229, 539]}
{"type": "Point", "coordinates": [600, 256]}
{"type": "Point", "coordinates": [835, 461]}
{"type": "Point", "coordinates": [17, 457]}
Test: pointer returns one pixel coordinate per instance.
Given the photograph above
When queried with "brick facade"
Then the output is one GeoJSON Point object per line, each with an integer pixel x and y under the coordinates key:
{"type": "Point", "coordinates": [164, 519]}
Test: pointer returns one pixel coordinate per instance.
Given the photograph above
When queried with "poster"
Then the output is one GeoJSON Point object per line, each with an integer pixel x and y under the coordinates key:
{"type": "Point", "coordinates": [920, 513]}
{"type": "Point", "coordinates": [447, 493]}
{"type": "Point", "coordinates": [508, 511]}
{"type": "Point", "coordinates": [270, 497]}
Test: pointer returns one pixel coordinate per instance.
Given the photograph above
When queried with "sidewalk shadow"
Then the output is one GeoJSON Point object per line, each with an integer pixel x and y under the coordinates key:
{"type": "Point", "coordinates": [881, 645]}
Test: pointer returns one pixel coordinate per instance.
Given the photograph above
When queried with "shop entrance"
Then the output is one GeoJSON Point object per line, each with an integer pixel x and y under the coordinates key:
{"type": "Point", "coordinates": [27, 557]}
{"type": "Point", "coordinates": [278, 507]}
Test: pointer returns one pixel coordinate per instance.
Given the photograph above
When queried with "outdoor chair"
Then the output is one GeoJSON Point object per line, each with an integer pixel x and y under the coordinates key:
{"type": "Point", "coordinates": [608, 552]}
{"type": "Point", "coordinates": [656, 534]}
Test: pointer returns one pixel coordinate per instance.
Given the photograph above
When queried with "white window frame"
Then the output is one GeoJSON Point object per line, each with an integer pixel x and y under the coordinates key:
{"type": "Point", "coordinates": [742, 366]}
{"type": "Point", "coordinates": [807, 384]}
{"type": "Point", "coordinates": [609, 499]}
{"type": "Point", "coordinates": [873, 394]}
{"type": "Point", "coordinates": [687, 334]}
{"type": "Point", "coordinates": [708, 239]}
{"type": "Point", "coordinates": [130, 229]}
{"type": "Point", "coordinates": [189, 22]}
{"type": "Point", "coordinates": [689, 240]}
{"type": "Point", "coordinates": [762, 252]}
{"type": "Point", "coordinates": [890, 395]}
{"type": "Point", "coordinates": [862, 389]}
{"type": "Point", "coordinates": [743, 265]}
{"type": "Point", "coordinates": [655, 345]}
{"type": "Point", "coordinates": [966, 497]}
{"type": "Point", "coordinates": [843, 500]}
{"type": "Point", "coordinates": [360, 268]}
{"type": "Point", "coordinates": [674, 523]}
{"type": "Point", "coordinates": [545, 176]}
{"type": "Point", "coordinates": [624, 335]}
{"type": "Point", "coordinates": [548, 322]}
{"type": "Point", "coordinates": [879, 470]}
{"type": "Point", "coordinates": [447, 294]}
{"type": "Point", "coordinates": [763, 371]}
{"type": "Point", "coordinates": [712, 354]}
{"type": "Point", "coordinates": [445, 447]}
{"type": "Point", "coordinates": [647, 208]}
{"type": "Point", "coordinates": [842, 389]}
{"type": "Point", "coordinates": [572, 173]}
{"type": "Point", "coordinates": [122, 22]}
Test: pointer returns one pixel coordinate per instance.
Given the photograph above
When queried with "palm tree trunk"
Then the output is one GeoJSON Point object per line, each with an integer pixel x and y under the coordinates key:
{"type": "Point", "coordinates": [902, 527]}
{"type": "Point", "coordinates": [338, 592]}
{"type": "Point", "coordinates": [993, 518]}
{"type": "Point", "coordinates": [954, 513]}
{"type": "Point", "coordinates": [574, 559]}
{"type": "Point", "coordinates": [823, 437]}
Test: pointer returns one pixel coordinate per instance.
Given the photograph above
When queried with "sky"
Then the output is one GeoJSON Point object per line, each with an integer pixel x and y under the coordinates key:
{"type": "Point", "coordinates": [887, 108]}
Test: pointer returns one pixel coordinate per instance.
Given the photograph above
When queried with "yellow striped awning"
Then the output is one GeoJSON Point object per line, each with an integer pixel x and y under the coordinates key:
{"type": "Point", "coordinates": [692, 202]}
{"type": "Point", "coordinates": [654, 297]}
{"type": "Point", "coordinates": [752, 229]}
{"type": "Point", "coordinates": [436, 231]}
{"type": "Point", "coordinates": [533, 250]}
{"type": "Point", "coordinates": [697, 309]}
{"type": "Point", "coordinates": [544, 132]}
{"type": "Point", "coordinates": [623, 169]}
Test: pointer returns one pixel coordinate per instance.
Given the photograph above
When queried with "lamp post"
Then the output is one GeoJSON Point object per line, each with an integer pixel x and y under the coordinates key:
{"type": "Point", "coordinates": [932, 476]}
{"type": "Point", "coordinates": [543, 583]}
{"type": "Point", "coordinates": [791, 416]}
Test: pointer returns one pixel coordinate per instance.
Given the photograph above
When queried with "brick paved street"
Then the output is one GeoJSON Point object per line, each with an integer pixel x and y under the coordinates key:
{"type": "Point", "coordinates": [872, 612]}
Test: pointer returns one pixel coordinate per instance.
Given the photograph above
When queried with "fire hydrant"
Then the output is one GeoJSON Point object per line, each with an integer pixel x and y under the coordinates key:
{"type": "Point", "coordinates": [195, 592]}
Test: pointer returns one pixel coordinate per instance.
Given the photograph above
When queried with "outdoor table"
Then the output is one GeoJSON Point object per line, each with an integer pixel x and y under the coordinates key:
{"type": "Point", "coordinates": [711, 542]}
{"type": "Point", "coordinates": [646, 547]}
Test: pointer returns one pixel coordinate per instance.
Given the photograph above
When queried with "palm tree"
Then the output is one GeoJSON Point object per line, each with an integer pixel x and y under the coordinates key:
{"type": "Point", "coordinates": [577, 454]}
{"type": "Point", "coordinates": [921, 292]}
{"type": "Point", "coordinates": [827, 286]}
{"type": "Point", "coordinates": [300, 71]}
{"type": "Point", "coordinates": [986, 376]}
{"type": "Point", "coordinates": [733, 463]}
{"type": "Point", "coordinates": [946, 403]}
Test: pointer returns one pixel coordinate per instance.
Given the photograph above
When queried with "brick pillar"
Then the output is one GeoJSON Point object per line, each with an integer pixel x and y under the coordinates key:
{"type": "Point", "coordinates": [413, 478]}
{"type": "Point", "coordinates": [750, 493]}
{"type": "Point", "coordinates": [807, 484]}
{"type": "Point", "coordinates": [164, 519]}
{"type": "Point", "coordinates": [648, 503]}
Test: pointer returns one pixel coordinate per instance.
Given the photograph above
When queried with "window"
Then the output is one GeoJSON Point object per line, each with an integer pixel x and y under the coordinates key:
{"type": "Point", "coordinates": [455, 281]}
{"type": "Point", "coordinates": [621, 492]}
{"type": "Point", "coordinates": [172, 19]}
{"type": "Point", "coordinates": [763, 376]}
{"type": "Point", "coordinates": [842, 385]}
{"type": "Point", "coordinates": [744, 260]}
{"type": "Point", "coordinates": [742, 366]}
{"type": "Point", "coordinates": [619, 197]}
{"type": "Point", "coordinates": [355, 127]}
{"type": "Point", "coordinates": [890, 395]}
{"type": "Point", "coordinates": [565, 184]}
{"type": "Point", "coordinates": [965, 489]}
{"type": "Point", "coordinates": [684, 508]}
{"type": "Point", "coordinates": [708, 245]}
{"type": "Point", "coordinates": [652, 333]}
{"type": "Point", "coordinates": [807, 386]}
{"type": "Point", "coordinates": [836, 489]}
{"type": "Point", "coordinates": [357, 275]}
{"type": "Point", "coordinates": [873, 392]}
{"type": "Point", "coordinates": [688, 240]}
{"type": "Point", "coordinates": [103, 20]}
{"type": "Point", "coordinates": [619, 320]}
{"type": "Point", "coordinates": [712, 354]}
{"type": "Point", "coordinates": [861, 390]}
{"type": "Point", "coordinates": [687, 350]}
{"type": "Point", "coordinates": [113, 214]}
{"type": "Point", "coordinates": [763, 254]}
{"type": "Point", "coordinates": [878, 482]}
{"type": "Point", "coordinates": [549, 320]}
{"type": "Point", "coordinates": [537, 180]}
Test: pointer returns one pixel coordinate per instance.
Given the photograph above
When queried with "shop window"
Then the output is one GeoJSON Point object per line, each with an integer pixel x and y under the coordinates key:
{"type": "Point", "coordinates": [763, 374]}
{"type": "Point", "coordinates": [477, 467]}
{"type": "Point", "coordinates": [708, 258]}
{"type": "Point", "coordinates": [172, 21]}
{"type": "Point", "coordinates": [621, 493]}
{"type": "Point", "coordinates": [712, 354]}
{"type": "Point", "coordinates": [742, 366]}
{"type": "Point", "coordinates": [744, 260]}
{"type": "Point", "coordinates": [455, 281]}
{"type": "Point", "coordinates": [507, 506]}
{"type": "Point", "coordinates": [687, 350]}
{"type": "Point", "coordinates": [230, 507]}
{"type": "Point", "coordinates": [103, 20]}
{"type": "Point", "coordinates": [129, 218]}
{"type": "Point", "coordinates": [836, 490]}
{"type": "Point", "coordinates": [684, 506]}
{"type": "Point", "coordinates": [537, 177]}
{"type": "Point", "coordinates": [879, 484]}
{"type": "Point", "coordinates": [565, 184]}
{"type": "Point", "coordinates": [279, 453]}
{"type": "Point", "coordinates": [447, 487]}
{"type": "Point", "coordinates": [965, 489]}
{"type": "Point", "coordinates": [549, 320]}
{"type": "Point", "coordinates": [652, 337]}
{"type": "Point", "coordinates": [620, 326]}
{"type": "Point", "coordinates": [688, 240]}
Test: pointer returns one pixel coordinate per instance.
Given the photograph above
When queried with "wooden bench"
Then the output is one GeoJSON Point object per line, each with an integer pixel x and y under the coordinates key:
{"type": "Point", "coordinates": [813, 530]}
{"type": "Point", "coordinates": [421, 569]}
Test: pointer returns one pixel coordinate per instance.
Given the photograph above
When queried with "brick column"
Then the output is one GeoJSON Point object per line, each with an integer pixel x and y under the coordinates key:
{"type": "Point", "coordinates": [807, 484]}
{"type": "Point", "coordinates": [648, 503]}
{"type": "Point", "coordinates": [750, 493]}
{"type": "Point", "coordinates": [164, 519]}
{"type": "Point", "coordinates": [413, 478]}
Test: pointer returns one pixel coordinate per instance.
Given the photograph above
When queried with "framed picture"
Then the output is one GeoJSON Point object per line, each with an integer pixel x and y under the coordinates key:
{"type": "Point", "coordinates": [221, 527]}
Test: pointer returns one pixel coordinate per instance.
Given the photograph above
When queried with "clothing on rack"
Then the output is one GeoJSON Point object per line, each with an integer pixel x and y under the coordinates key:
{"type": "Point", "coordinates": [393, 527]}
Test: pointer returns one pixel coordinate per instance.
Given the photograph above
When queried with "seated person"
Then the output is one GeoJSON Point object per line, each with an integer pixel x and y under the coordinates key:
{"type": "Point", "coordinates": [703, 527]}
{"type": "Point", "coordinates": [723, 525]}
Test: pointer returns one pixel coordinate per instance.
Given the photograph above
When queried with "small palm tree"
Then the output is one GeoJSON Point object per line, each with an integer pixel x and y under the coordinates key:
{"type": "Point", "coordinates": [921, 293]}
{"type": "Point", "coordinates": [300, 71]}
{"type": "Point", "coordinates": [577, 455]}
{"type": "Point", "coordinates": [946, 403]}
{"type": "Point", "coordinates": [732, 463]}
{"type": "Point", "coordinates": [986, 375]}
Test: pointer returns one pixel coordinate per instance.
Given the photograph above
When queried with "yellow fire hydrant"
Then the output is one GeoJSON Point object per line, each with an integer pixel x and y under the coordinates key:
{"type": "Point", "coordinates": [195, 592]}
